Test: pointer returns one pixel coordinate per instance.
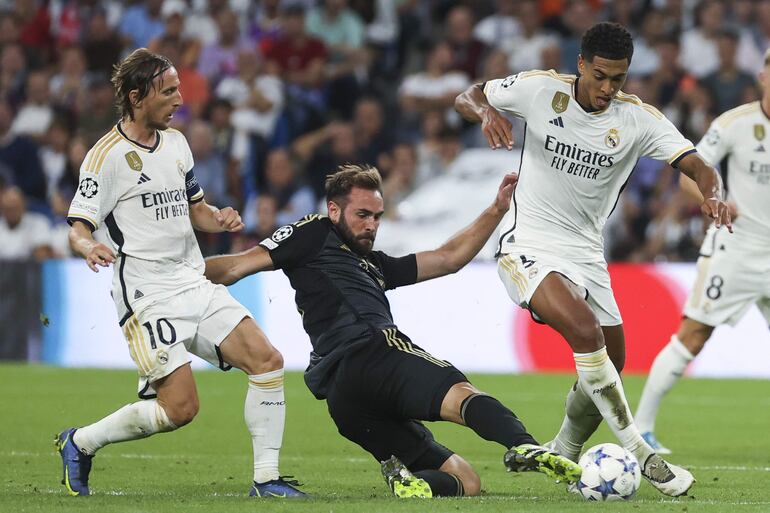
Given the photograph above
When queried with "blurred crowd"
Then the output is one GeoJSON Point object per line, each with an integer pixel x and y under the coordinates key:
{"type": "Point", "coordinates": [277, 93]}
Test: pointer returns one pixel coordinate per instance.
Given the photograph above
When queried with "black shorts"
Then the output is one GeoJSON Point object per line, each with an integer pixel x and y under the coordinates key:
{"type": "Point", "coordinates": [380, 392]}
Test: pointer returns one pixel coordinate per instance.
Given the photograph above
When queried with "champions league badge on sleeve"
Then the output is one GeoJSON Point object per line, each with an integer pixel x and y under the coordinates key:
{"type": "Point", "coordinates": [88, 187]}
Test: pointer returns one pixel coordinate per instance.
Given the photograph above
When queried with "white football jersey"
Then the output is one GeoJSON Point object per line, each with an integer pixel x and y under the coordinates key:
{"type": "Point", "coordinates": [143, 195]}
{"type": "Point", "coordinates": [741, 135]}
{"type": "Point", "coordinates": [574, 164]}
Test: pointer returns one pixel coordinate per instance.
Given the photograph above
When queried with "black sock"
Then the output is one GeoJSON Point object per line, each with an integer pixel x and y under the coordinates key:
{"type": "Point", "coordinates": [494, 422]}
{"type": "Point", "coordinates": [441, 483]}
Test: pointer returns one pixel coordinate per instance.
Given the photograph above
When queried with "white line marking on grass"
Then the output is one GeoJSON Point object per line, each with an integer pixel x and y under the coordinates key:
{"type": "Point", "coordinates": [736, 468]}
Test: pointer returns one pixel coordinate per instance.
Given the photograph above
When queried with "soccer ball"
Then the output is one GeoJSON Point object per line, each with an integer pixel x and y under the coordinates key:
{"type": "Point", "coordinates": [610, 473]}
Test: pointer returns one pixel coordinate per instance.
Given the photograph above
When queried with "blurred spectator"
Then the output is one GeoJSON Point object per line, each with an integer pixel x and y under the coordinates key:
{"type": "Point", "coordinates": [188, 49]}
{"type": "Point", "coordinates": [265, 211]}
{"type": "Point", "coordinates": [220, 59]}
{"type": "Point", "coordinates": [467, 52]}
{"type": "Point", "coordinates": [99, 114]}
{"type": "Point", "coordinates": [192, 84]}
{"type": "Point", "coordinates": [13, 73]}
{"type": "Point", "coordinates": [325, 149]}
{"type": "Point", "coordinates": [9, 29]}
{"type": "Point", "coordinates": [401, 177]}
{"type": "Point", "coordinates": [373, 137]}
{"type": "Point", "coordinates": [65, 188]}
{"type": "Point", "coordinates": [293, 199]}
{"type": "Point", "coordinates": [435, 88]}
{"type": "Point", "coordinates": [53, 154]}
{"type": "Point", "coordinates": [23, 234]}
{"type": "Point", "coordinates": [267, 23]}
{"type": "Point", "coordinates": [35, 115]}
{"type": "Point", "coordinates": [257, 99]}
{"type": "Point", "coordinates": [19, 157]}
{"type": "Point", "coordinates": [700, 54]}
{"type": "Point", "coordinates": [578, 17]}
{"type": "Point", "coordinates": [342, 31]}
{"type": "Point", "coordinates": [101, 45]}
{"type": "Point", "coordinates": [429, 147]}
{"type": "Point", "coordinates": [141, 23]}
{"type": "Point", "coordinates": [728, 86]}
{"type": "Point", "coordinates": [502, 26]}
{"type": "Point", "coordinates": [202, 24]}
{"type": "Point", "coordinates": [646, 60]}
{"type": "Point", "coordinates": [210, 165]}
{"type": "Point", "coordinates": [526, 50]}
{"type": "Point", "coordinates": [69, 86]}
{"type": "Point", "coordinates": [35, 28]}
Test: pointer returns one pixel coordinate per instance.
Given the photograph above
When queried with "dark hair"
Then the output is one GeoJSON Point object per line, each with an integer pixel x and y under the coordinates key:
{"type": "Point", "coordinates": [347, 176]}
{"type": "Point", "coordinates": [608, 41]}
{"type": "Point", "coordinates": [137, 71]}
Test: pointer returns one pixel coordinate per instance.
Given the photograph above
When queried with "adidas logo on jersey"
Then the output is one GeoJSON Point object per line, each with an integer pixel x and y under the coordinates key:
{"type": "Point", "coordinates": [138, 294]}
{"type": "Point", "coordinates": [557, 122]}
{"type": "Point", "coordinates": [143, 178]}
{"type": "Point", "coordinates": [760, 148]}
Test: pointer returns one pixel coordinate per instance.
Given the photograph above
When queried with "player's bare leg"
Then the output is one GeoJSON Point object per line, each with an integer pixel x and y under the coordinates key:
{"type": "Point", "coordinates": [582, 417]}
{"type": "Point", "coordinates": [466, 405]}
{"type": "Point", "coordinates": [175, 406]}
{"type": "Point", "coordinates": [560, 304]}
{"type": "Point", "coordinates": [666, 370]}
{"type": "Point", "coordinates": [247, 348]}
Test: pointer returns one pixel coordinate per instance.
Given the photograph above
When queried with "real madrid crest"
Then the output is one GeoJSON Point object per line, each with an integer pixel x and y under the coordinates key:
{"type": "Point", "coordinates": [612, 140]}
{"type": "Point", "coordinates": [560, 102]}
{"type": "Point", "coordinates": [180, 168]}
{"type": "Point", "coordinates": [759, 132]}
{"type": "Point", "coordinates": [134, 162]}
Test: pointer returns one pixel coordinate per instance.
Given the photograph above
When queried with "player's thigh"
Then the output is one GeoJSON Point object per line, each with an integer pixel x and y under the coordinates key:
{"type": "Point", "coordinates": [558, 302]}
{"type": "Point", "coordinates": [157, 338]}
{"type": "Point", "coordinates": [400, 376]}
{"type": "Point", "coordinates": [228, 336]}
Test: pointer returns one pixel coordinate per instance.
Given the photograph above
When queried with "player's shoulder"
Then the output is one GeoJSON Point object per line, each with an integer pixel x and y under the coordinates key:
{"type": "Point", "coordinates": [635, 106]}
{"type": "Point", "coordinates": [737, 115]}
{"type": "Point", "coordinates": [536, 79]}
{"type": "Point", "coordinates": [103, 152]}
{"type": "Point", "coordinates": [547, 76]}
{"type": "Point", "coordinates": [308, 232]}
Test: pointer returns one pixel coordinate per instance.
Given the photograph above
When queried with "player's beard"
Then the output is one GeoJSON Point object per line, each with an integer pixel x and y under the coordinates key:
{"type": "Point", "coordinates": [349, 238]}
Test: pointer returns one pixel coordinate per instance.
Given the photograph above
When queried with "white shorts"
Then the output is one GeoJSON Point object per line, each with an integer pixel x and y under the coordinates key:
{"type": "Point", "coordinates": [731, 277]}
{"type": "Point", "coordinates": [161, 334]}
{"type": "Point", "coordinates": [522, 274]}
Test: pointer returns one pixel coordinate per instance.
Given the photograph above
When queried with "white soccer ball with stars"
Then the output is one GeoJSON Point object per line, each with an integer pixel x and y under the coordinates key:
{"type": "Point", "coordinates": [610, 473]}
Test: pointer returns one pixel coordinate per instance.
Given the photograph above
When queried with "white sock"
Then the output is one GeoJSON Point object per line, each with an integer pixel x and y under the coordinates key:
{"type": "Point", "coordinates": [580, 421]}
{"type": "Point", "coordinates": [131, 422]}
{"type": "Point", "coordinates": [666, 370]}
{"type": "Point", "coordinates": [601, 382]}
{"type": "Point", "coordinates": [265, 413]}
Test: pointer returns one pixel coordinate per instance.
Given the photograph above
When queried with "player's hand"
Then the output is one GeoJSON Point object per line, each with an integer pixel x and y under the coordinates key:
{"type": "Point", "coordinates": [504, 193]}
{"type": "Point", "coordinates": [229, 219]}
{"type": "Point", "coordinates": [99, 255]}
{"type": "Point", "coordinates": [719, 211]}
{"type": "Point", "coordinates": [497, 129]}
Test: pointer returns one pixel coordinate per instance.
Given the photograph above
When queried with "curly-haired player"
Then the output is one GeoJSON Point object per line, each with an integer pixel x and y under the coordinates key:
{"type": "Point", "coordinates": [582, 140]}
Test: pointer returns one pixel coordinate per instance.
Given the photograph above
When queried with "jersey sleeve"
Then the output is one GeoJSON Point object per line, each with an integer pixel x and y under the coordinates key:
{"type": "Point", "coordinates": [96, 194]}
{"type": "Point", "coordinates": [293, 244]}
{"type": "Point", "coordinates": [714, 145]}
{"type": "Point", "coordinates": [515, 93]}
{"type": "Point", "coordinates": [662, 140]}
{"type": "Point", "coordinates": [398, 271]}
{"type": "Point", "coordinates": [194, 190]}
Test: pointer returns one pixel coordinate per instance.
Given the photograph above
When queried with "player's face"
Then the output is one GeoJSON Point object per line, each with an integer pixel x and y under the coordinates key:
{"type": "Point", "coordinates": [600, 81]}
{"type": "Point", "coordinates": [359, 220]}
{"type": "Point", "coordinates": [163, 100]}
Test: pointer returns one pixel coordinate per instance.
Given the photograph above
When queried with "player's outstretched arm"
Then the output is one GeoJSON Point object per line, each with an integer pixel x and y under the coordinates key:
{"type": "Point", "coordinates": [454, 254]}
{"type": "Point", "coordinates": [710, 188]}
{"type": "Point", "coordinates": [227, 269]}
{"type": "Point", "coordinates": [208, 218]}
{"type": "Point", "coordinates": [473, 106]}
{"type": "Point", "coordinates": [82, 243]}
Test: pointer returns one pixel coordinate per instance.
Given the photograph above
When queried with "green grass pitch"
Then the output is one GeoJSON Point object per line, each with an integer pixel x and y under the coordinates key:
{"type": "Point", "coordinates": [719, 429]}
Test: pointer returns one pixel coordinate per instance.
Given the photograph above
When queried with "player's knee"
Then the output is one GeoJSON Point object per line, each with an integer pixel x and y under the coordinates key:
{"type": "Point", "coordinates": [471, 483]}
{"type": "Point", "coordinates": [462, 470]}
{"type": "Point", "coordinates": [694, 335]}
{"type": "Point", "coordinates": [182, 413]}
{"type": "Point", "coordinates": [586, 336]}
{"type": "Point", "coordinates": [261, 357]}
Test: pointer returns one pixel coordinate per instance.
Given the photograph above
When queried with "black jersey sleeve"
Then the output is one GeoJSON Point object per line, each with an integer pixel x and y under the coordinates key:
{"type": "Point", "coordinates": [397, 271]}
{"type": "Point", "coordinates": [294, 244]}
